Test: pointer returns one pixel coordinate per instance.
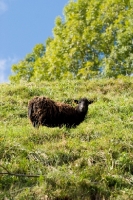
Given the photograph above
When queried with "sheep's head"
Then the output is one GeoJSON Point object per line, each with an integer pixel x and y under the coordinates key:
{"type": "Point", "coordinates": [83, 104]}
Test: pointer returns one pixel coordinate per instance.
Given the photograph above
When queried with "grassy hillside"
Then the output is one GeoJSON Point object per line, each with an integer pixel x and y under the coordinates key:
{"type": "Point", "coordinates": [92, 162]}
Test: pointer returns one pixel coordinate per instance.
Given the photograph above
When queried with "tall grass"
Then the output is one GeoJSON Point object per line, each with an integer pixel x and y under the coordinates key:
{"type": "Point", "coordinates": [92, 161]}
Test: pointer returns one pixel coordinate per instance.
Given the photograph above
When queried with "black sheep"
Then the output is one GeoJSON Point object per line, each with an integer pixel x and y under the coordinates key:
{"type": "Point", "coordinates": [46, 112]}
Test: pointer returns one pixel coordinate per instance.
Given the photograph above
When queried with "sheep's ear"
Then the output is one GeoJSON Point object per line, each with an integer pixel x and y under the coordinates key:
{"type": "Point", "coordinates": [76, 101]}
{"type": "Point", "coordinates": [90, 101]}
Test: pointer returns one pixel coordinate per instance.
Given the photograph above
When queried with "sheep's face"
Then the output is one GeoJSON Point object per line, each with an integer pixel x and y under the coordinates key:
{"type": "Point", "coordinates": [83, 104]}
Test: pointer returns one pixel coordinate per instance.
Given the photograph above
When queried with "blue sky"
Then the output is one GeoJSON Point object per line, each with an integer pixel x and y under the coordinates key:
{"type": "Point", "coordinates": [23, 24]}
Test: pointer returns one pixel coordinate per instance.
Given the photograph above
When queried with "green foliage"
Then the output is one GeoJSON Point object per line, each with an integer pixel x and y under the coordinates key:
{"type": "Point", "coordinates": [96, 32]}
{"type": "Point", "coordinates": [93, 161]}
{"type": "Point", "coordinates": [93, 40]}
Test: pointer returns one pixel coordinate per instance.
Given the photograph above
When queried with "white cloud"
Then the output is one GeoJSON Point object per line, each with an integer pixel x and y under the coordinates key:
{"type": "Point", "coordinates": [2, 64]}
{"type": "Point", "coordinates": [5, 68]}
{"type": "Point", "coordinates": [2, 70]}
{"type": "Point", "coordinates": [3, 7]}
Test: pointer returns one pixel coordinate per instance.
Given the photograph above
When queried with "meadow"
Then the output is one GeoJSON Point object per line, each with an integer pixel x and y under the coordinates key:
{"type": "Point", "coordinates": [91, 162]}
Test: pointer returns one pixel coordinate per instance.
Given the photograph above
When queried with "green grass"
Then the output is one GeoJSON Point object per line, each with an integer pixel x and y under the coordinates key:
{"type": "Point", "coordinates": [91, 162]}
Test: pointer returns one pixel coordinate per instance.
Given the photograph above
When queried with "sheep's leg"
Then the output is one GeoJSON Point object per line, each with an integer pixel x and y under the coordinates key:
{"type": "Point", "coordinates": [35, 124]}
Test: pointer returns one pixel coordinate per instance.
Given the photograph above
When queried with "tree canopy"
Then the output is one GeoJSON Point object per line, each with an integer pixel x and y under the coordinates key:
{"type": "Point", "coordinates": [95, 39]}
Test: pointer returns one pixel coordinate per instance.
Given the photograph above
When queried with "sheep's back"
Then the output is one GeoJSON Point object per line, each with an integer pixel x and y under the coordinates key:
{"type": "Point", "coordinates": [65, 109]}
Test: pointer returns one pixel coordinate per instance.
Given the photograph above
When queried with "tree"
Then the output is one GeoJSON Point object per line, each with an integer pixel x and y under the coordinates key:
{"type": "Point", "coordinates": [93, 40]}
{"type": "Point", "coordinates": [119, 33]}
